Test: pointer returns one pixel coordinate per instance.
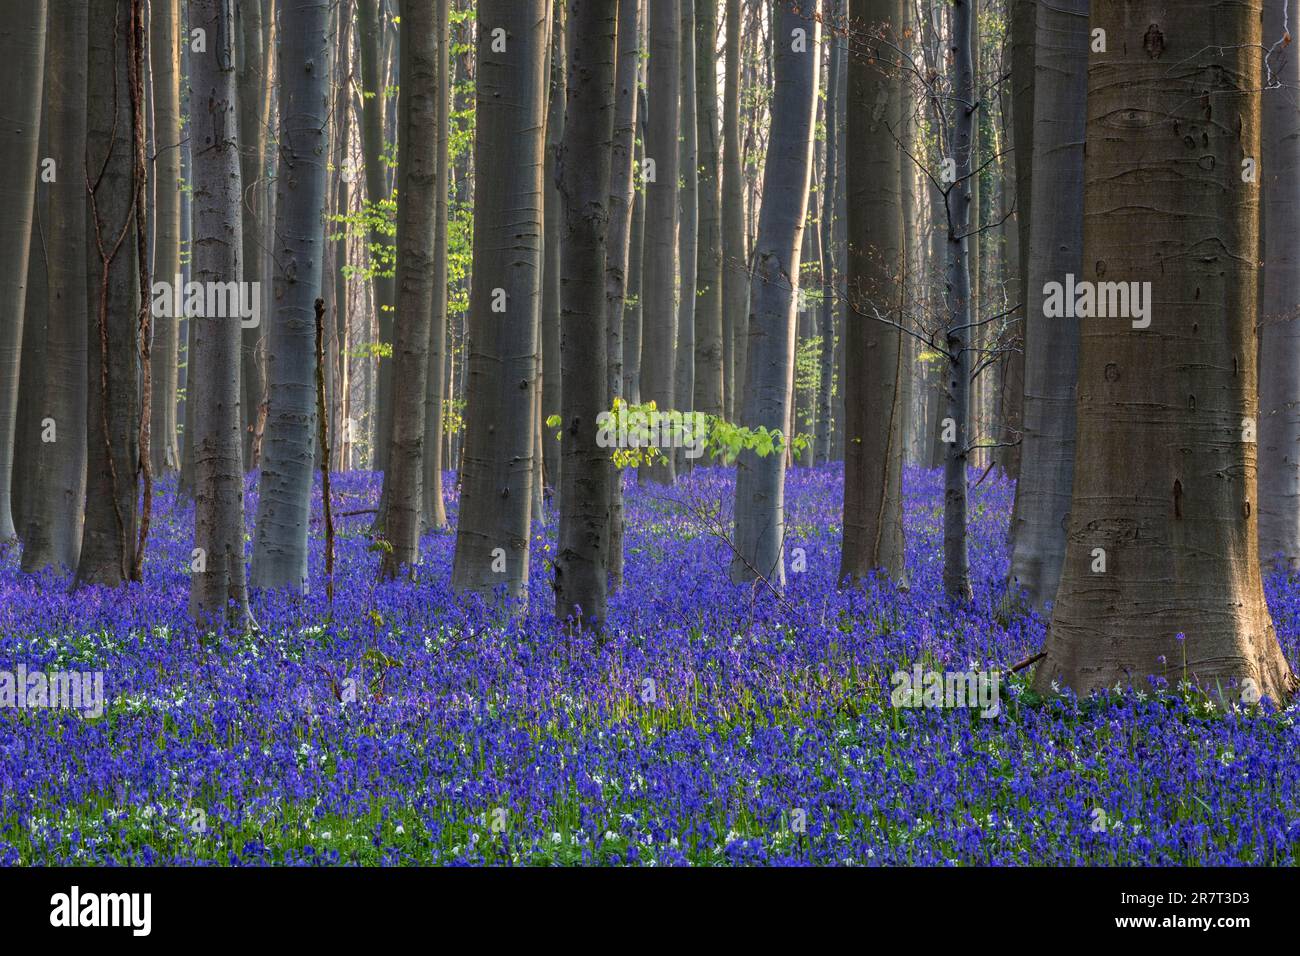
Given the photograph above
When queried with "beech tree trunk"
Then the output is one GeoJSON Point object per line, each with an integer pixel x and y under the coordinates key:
{"type": "Point", "coordinates": [687, 231]}
{"type": "Point", "coordinates": [709, 378]}
{"type": "Point", "coordinates": [1051, 343]}
{"type": "Point", "coordinates": [290, 439]}
{"type": "Point", "coordinates": [218, 592]}
{"type": "Point", "coordinates": [583, 171]}
{"type": "Point", "coordinates": [659, 310]}
{"type": "Point", "coordinates": [760, 480]}
{"type": "Point", "coordinates": [493, 530]}
{"type": "Point", "coordinates": [112, 407]}
{"type": "Point", "coordinates": [22, 44]}
{"type": "Point", "coordinates": [622, 197]}
{"type": "Point", "coordinates": [1161, 573]}
{"type": "Point", "coordinates": [1279, 329]}
{"type": "Point", "coordinates": [53, 537]}
{"type": "Point", "coordinates": [831, 257]}
{"type": "Point", "coordinates": [433, 509]}
{"type": "Point", "coordinates": [552, 453]}
{"type": "Point", "coordinates": [416, 201]}
{"type": "Point", "coordinates": [165, 56]}
{"type": "Point", "coordinates": [876, 351]}
{"type": "Point", "coordinates": [735, 266]}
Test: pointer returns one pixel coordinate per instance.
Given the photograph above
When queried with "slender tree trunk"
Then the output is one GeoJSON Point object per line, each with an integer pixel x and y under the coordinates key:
{"type": "Point", "coordinates": [735, 267]}
{"type": "Point", "coordinates": [760, 480]}
{"type": "Point", "coordinates": [957, 339]}
{"type": "Point", "coordinates": [622, 196]}
{"type": "Point", "coordinates": [165, 56]}
{"type": "Point", "coordinates": [552, 453]}
{"type": "Point", "coordinates": [709, 377]}
{"type": "Point", "coordinates": [377, 191]}
{"type": "Point", "coordinates": [1161, 574]}
{"type": "Point", "coordinates": [831, 257]}
{"type": "Point", "coordinates": [493, 530]}
{"type": "Point", "coordinates": [875, 350]}
{"type": "Point", "coordinates": [687, 230]}
{"type": "Point", "coordinates": [54, 528]}
{"type": "Point", "coordinates": [583, 168]}
{"type": "Point", "coordinates": [1052, 341]}
{"type": "Point", "coordinates": [22, 42]}
{"type": "Point", "coordinates": [433, 510]}
{"type": "Point", "coordinates": [635, 267]}
{"type": "Point", "coordinates": [217, 585]}
{"type": "Point", "coordinates": [1279, 329]}
{"type": "Point", "coordinates": [290, 438]}
{"type": "Point", "coordinates": [416, 202]}
{"type": "Point", "coordinates": [253, 60]}
{"type": "Point", "coordinates": [659, 312]}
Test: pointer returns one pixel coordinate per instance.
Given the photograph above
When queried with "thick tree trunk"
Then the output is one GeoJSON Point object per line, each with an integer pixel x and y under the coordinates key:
{"type": "Point", "coordinates": [709, 378]}
{"type": "Point", "coordinates": [217, 585]}
{"type": "Point", "coordinates": [112, 408]}
{"type": "Point", "coordinates": [622, 198]}
{"type": "Point", "coordinates": [583, 171]}
{"type": "Point", "coordinates": [659, 312]}
{"type": "Point", "coordinates": [416, 202]}
{"type": "Point", "coordinates": [22, 43]}
{"type": "Point", "coordinates": [760, 480]}
{"type": "Point", "coordinates": [493, 530]}
{"type": "Point", "coordinates": [433, 510]}
{"type": "Point", "coordinates": [1161, 574]}
{"type": "Point", "coordinates": [735, 267]}
{"type": "Point", "coordinates": [875, 349]}
{"type": "Point", "coordinates": [1279, 329]}
{"type": "Point", "coordinates": [290, 438]}
{"type": "Point", "coordinates": [1051, 342]}
{"type": "Point", "coordinates": [54, 529]}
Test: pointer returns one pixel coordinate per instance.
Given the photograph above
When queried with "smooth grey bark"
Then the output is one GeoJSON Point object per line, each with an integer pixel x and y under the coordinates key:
{"type": "Point", "coordinates": [957, 336]}
{"type": "Point", "coordinates": [831, 255]}
{"type": "Point", "coordinates": [1052, 343]}
{"type": "Point", "coordinates": [417, 170]}
{"type": "Point", "coordinates": [583, 169]}
{"type": "Point", "coordinates": [875, 362]}
{"type": "Point", "coordinates": [760, 480]}
{"type": "Point", "coordinates": [552, 453]}
{"type": "Point", "coordinates": [22, 44]}
{"type": "Point", "coordinates": [622, 198]}
{"type": "Point", "coordinates": [1279, 329]}
{"type": "Point", "coordinates": [377, 191]}
{"type": "Point", "coordinates": [709, 376]}
{"type": "Point", "coordinates": [659, 307]}
{"type": "Point", "coordinates": [288, 453]}
{"type": "Point", "coordinates": [687, 230]}
{"type": "Point", "coordinates": [433, 510]}
{"type": "Point", "coordinates": [735, 268]}
{"type": "Point", "coordinates": [635, 268]}
{"type": "Point", "coordinates": [53, 537]}
{"type": "Point", "coordinates": [254, 61]}
{"type": "Point", "coordinates": [509, 143]}
{"type": "Point", "coordinates": [112, 407]}
{"type": "Point", "coordinates": [165, 57]}
{"type": "Point", "coordinates": [218, 592]}
{"type": "Point", "coordinates": [1165, 474]}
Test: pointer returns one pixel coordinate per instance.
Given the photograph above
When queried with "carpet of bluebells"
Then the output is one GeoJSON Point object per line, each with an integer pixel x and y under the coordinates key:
{"type": "Point", "coordinates": [713, 725]}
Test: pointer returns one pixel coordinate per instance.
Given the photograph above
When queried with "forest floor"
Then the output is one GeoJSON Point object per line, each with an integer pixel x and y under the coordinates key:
{"type": "Point", "coordinates": [714, 725]}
